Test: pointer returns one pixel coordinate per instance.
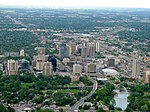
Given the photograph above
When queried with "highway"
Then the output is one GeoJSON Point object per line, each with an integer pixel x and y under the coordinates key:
{"type": "Point", "coordinates": [81, 101]}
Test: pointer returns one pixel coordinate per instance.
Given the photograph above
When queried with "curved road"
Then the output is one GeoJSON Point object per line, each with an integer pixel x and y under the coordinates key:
{"type": "Point", "coordinates": [81, 101]}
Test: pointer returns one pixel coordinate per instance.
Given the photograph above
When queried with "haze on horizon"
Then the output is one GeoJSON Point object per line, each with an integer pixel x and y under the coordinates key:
{"type": "Point", "coordinates": [78, 3]}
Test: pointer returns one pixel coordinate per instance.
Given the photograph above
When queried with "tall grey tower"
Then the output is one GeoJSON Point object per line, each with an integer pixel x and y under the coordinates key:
{"type": "Point", "coordinates": [135, 68]}
{"type": "Point", "coordinates": [62, 51]}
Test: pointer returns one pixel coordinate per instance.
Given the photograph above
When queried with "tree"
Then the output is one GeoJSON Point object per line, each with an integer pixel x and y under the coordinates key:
{"type": "Point", "coordinates": [80, 107]}
{"type": "Point", "coordinates": [144, 108]}
{"type": "Point", "coordinates": [128, 109]}
{"type": "Point", "coordinates": [61, 110]}
{"type": "Point", "coordinates": [38, 100]}
{"type": "Point", "coordinates": [6, 109]}
{"type": "Point", "coordinates": [111, 107]}
{"type": "Point", "coordinates": [1, 73]}
{"type": "Point", "coordinates": [86, 107]}
{"type": "Point", "coordinates": [100, 110]}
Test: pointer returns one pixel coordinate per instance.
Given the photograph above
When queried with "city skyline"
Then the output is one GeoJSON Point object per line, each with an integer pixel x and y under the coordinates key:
{"type": "Point", "coordinates": [77, 3]}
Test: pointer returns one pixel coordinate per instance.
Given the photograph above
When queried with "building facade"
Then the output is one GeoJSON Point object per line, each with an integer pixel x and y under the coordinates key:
{"type": "Point", "coordinates": [47, 69]}
{"type": "Point", "coordinates": [12, 67]}
{"type": "Point", "coordinates": [135, 68]}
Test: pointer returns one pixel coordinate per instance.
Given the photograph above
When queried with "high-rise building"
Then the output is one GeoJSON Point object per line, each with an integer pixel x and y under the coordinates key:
{"type": "Point", "coordinates": [97, 45]}
{"type": "Point", "coordinates": [68, 51]}
{"type": "Point", "coordinates": [62, 51]}
{"type": "Point", "coordinates": [72, 46]}
{"type": "Point", "coordinates": [79, 50]}
{"type": "Point", "coordinates": [24, 64]}
{"type": "Point", "coordinates": [77, 69]}
{"type": "Point", "coordinates": [12, 66]}
{"type": "Point", "coordinates": [85, 44]}
{"type": "Point", "coordinates": [84, 52]}
{"type": "Point", "coordinates": [135, 68]}
{"type": "Point", "coordinates": [92, 50]}
{"type": "Point", "coordinates": [22, 53]}
{"type": "Point", "coordinates": [53, 60]}
{"type": "Point", "coordinates": [47, 69]}
{"type": "Point", "coordinates": [147, 77]}
{"type": "Point", "coordinates": [39, 64]}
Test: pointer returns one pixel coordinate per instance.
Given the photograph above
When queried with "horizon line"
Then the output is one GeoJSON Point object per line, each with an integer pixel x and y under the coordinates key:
{"type": "Point", "coordinates": [69, 7]}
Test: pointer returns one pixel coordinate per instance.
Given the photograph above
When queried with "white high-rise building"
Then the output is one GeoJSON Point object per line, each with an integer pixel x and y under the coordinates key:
{"type": "Point", "coordinates": [97, 45]}
{"type": "Point", "coordinates": [68, 51]}
{"type": "Point", "coordinates": [12, 66]}
{"type": "Point", "coordinates": [22, 53]}
{"type": "Point", "coordinates": [135, 68]}
{"type": "Point", "coordinates": [47, 69]}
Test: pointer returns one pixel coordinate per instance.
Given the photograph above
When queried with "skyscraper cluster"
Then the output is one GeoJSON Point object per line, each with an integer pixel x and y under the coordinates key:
{"type": "Point", "coordinates": [42, 64]}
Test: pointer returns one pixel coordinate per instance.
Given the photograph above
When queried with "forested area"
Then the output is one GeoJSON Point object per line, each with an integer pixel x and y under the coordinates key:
{"type": "Point", "coordinates": [16, 88]}
{"type": "Point", "coordinates": [139, 98]}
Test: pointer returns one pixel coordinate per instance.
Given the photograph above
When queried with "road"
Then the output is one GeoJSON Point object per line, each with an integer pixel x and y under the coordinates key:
{"type": "Point", "coordinates": [81, 101]}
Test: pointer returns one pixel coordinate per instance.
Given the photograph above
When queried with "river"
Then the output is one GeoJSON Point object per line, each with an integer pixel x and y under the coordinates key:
{"type": "Point", "coordinates": [121, 99]}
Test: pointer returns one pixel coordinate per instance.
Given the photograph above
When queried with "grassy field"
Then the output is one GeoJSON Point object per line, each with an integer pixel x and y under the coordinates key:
{"type": "Point", "coordinates": [74, 91]}
{"type": "Point", "coordinates": [25, 85]}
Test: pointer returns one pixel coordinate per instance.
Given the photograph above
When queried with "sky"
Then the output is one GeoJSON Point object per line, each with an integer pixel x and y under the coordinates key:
{"type": "Point", "coordinates": [78, 3]}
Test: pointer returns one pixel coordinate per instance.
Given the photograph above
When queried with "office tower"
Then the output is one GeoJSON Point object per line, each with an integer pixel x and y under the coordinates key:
{"type": "Point", "coordinates": [12, 66]}
{"type": "Point", "coordinates": [135, 68]}
{"type": "Point", "coordinates": [77, 69]}
{"type": "Point", "coordinates": [91, 68]}
{"type": "Point", "coordinates": [72, 46]}
{"type": "Point", "coordinates": [41, 50]}
{"type": "Point", "coordinates": [147, 77]}
{"type": "Point", "coordinates": [68, 51]}
{"type": "Point", "coordinates": [62, 51]}
{"type": "Point", "coordinates": [92, 50]}
{"type": "Point", "coordinates": [84, 52]}
{"type": "Point", "coordinates": [39, 64]}
{"type": "Point", "coordinates": [24, 64]}
{"type": "Point", "coordinates": [111, 62]}
{"type": "Point", "coordinates": [47, 69]}
{"type": "Point", "coordinates": [97, 45]}
{"type": "Point", "coordinates": [22, 53]}
{"type": "Point", "coordinates": [53, 60]}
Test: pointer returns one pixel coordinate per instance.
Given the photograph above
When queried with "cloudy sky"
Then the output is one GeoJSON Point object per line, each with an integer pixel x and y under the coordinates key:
{"type": "Point", "coordinates": [79, 3]}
